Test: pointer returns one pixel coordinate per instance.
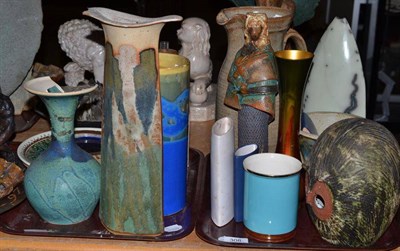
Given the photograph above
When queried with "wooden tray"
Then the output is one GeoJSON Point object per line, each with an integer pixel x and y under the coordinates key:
{"type": "Point", "coordinates": [307, 236]}
{"type": "Point", "coordinates": [23, 220]}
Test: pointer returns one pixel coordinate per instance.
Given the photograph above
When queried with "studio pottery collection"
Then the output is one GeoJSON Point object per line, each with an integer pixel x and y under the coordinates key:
{"type": "Point", "coordinates": [284, 149]}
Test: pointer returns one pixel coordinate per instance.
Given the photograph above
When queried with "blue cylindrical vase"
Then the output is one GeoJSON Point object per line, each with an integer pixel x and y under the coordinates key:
{"type": "Point", "coordinates": [240, 154]}
{"type": "Point", "coordinates": [174, 81]}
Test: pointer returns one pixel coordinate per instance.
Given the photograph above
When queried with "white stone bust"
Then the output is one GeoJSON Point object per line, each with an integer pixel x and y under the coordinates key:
{"type": "Point", "coordinates": [194, 36]}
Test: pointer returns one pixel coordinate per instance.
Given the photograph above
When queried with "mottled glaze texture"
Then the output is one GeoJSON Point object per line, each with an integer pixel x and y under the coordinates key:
{"type": "Point", "coordinates": [131, 147]}
{"type": "Point", "coordinates": [353, 189]}
{"type": "Point", "coordinates": [63, 183]}
{"type": "Point", "coordinates": [336, 82]}
{"type": "Point", "coordinates": [131, 199]}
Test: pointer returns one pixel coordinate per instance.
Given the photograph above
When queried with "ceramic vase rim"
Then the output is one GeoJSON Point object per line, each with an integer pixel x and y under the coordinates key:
{"type": "Point", "coordinates": [121, 19]}
{"type": "Point", "coordinates": [47, 82]}
{"type": "Point", "coordinates": [222, 127]}
{"type": "Point", "coordinates": [248, 165]}
{"type": "Point", "coordinates": [182, 66]}
{"type": "Point", "coordinates": [285, 13]}
{"type": "Point", "coordinates": [244, 150]}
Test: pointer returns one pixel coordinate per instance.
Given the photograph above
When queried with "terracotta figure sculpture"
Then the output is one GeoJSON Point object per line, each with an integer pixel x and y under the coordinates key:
{"type": "Point", "coordinates": [194, 36]}
{"type": "Point", "coordinates": [253, 83]}
{"type": "Point", "coordinates": [253, 76]}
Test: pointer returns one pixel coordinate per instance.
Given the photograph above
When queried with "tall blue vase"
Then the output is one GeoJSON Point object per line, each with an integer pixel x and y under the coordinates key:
{"type": "Point", "coordinates": [174, 82]}
{"type": "Point", "coordinates": [63, 183]}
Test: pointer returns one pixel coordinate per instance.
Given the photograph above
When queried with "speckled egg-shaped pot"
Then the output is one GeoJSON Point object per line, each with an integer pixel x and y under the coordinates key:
{"type": "Point", "coordinates": [353, 187]}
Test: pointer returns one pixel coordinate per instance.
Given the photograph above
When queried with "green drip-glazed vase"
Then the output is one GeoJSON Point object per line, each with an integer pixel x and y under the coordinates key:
{"type": "Point", "coordinates": [131, 201]}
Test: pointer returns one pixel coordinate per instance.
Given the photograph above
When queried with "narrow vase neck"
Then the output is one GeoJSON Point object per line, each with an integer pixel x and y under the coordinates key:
{"type": "Point", "coordinates": [62, 115]}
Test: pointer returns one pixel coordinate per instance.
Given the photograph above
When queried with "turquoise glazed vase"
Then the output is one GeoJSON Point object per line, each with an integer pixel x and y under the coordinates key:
{"type": "Point", "coordinates": [131, 201]}
{"type": "Point", "coordinates": [63, 183]}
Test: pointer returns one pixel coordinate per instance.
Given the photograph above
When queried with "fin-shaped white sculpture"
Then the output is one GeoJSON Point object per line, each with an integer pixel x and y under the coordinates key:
{"type": "Point", "coordinates": [336, 80]}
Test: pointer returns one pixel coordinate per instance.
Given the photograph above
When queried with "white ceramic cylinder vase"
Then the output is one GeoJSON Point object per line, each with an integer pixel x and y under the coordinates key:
{"type": "Point", "coordinates": [222, 155]}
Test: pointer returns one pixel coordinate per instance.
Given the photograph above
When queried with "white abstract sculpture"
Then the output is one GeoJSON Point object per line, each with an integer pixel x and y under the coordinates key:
{"type": "Point", "coordinates": [86, 54]}
{"type": "Point", "coordinates": [222, 171]}
{"type": "Point", "coordinates": [336, 80]}
{"type": "Point", "coordinates": [194, 36]}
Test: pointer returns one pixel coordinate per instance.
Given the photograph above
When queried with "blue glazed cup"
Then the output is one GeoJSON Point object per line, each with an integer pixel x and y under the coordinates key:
{"type": "Point", "coordinates": [271, 192]}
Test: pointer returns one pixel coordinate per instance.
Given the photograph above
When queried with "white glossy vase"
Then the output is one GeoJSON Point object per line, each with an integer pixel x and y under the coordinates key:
{"type": "Point", "coordinates": [222, 154]}
{"type": "Point", "coordinates": [336, 80]}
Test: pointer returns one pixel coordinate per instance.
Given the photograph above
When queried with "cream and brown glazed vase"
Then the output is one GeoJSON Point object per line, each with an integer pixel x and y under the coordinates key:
{"type": "Point", "coordinates": [131, 154]}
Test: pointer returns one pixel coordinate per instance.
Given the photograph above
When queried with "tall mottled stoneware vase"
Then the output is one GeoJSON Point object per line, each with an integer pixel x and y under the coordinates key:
{"type": "Point", "coordinates": [131, 199]}
{"type": "Point", "coordinates": [63, 183]}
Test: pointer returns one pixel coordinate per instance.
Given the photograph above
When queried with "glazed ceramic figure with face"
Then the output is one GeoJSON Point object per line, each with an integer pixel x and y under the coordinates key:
{"type": "Point", "coordinates": [194, 36]}
{"type": "Point", "coordinates": [255, 29]}
{"type": "Point", "coordinates": [253, 76]}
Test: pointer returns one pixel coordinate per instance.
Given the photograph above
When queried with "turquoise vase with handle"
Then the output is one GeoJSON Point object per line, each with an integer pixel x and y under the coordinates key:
{"type": "Point", "coordinates": [63, 183]}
